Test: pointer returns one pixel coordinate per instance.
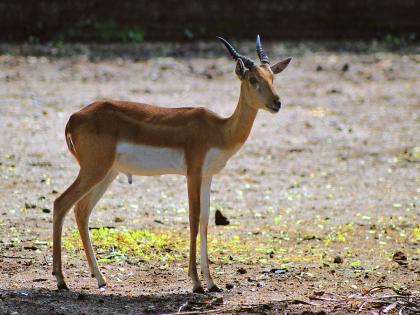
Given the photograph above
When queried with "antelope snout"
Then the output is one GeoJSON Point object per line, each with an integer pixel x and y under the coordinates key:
{"type": "Point", "coordinates": [277, 104]}
{"type": "Point", "coordinates": [274, 106]}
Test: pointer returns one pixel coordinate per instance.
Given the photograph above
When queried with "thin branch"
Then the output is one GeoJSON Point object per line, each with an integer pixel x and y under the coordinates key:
{"type": "Point", "coordinates": [237, 308]}
{"type": "Point", "coordinates": [15, 257]}
{"type": "Point", "coordinates": [101, 227]}
{"type": "Point", "coordinates": [293, 301]}
{"type": "Point", "coordinates": [385, 303]}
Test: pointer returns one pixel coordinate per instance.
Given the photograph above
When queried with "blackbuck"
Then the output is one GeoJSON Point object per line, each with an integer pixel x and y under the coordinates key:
{"type": "Point", "coordinates": [111, 137]}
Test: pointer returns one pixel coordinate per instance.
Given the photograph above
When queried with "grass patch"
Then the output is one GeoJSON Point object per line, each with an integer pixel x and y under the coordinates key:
{"type": "Point", "coordinates": [286, 244]}
{"type": "Point", "coordinates": [151, 246]}
{"type": "Point", "coordinates": [119, 244]}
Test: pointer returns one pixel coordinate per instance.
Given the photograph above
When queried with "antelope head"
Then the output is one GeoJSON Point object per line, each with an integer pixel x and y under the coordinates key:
{"type": "Point", "coordinates": [257, 81]}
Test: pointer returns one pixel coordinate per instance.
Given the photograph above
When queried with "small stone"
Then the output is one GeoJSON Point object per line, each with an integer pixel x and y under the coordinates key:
{"type": "Point", "coordinates": [241, 271]}
{"type": "Point", "coordinates": [31, 247]}
{"type": "Point", "coordinates": [30, 205]}
{"type": "Point", "coordinates": [220, 219]}
{"type": "Point", "coordinates": [118, 219]}
{"type": "Point", "coordinates": [46, 210]}
{"type": "Point", "coordinates": [278, 271]}
{"type": "Point", "coordinates": [338, 260]}
{"type": "Point", "coordinates": [229, 286]}
{"type": "Point", "coordinates": [400, 258]}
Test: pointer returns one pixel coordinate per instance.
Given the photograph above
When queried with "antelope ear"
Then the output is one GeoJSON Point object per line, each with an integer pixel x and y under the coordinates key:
{"type": "Point", "coordinates": [240, 69]}
{"type": "Point", "coordinates": [280, 66]}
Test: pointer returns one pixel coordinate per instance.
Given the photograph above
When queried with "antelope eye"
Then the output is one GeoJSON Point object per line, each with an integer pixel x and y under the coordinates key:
{"type": "Point", "coordinates": [253, 80]}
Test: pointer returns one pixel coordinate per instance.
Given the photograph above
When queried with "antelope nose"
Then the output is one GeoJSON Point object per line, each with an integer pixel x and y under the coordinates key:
{"type": "Point", "coordinates": [277, 104]}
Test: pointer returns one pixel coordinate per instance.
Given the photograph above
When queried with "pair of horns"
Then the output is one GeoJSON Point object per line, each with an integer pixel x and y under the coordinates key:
{"type": "Point", "coordinates": [247, 62]}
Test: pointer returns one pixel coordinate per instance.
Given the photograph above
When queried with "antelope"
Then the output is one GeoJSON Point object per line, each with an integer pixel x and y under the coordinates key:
{"type": "Point", "coordinates": [110, 137]}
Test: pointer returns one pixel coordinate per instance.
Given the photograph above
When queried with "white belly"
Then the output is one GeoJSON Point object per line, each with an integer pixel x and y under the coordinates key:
{"type": "Point", "coordinates": [146, 160]}
{"type": "Point", "coordinates": [149, 161]}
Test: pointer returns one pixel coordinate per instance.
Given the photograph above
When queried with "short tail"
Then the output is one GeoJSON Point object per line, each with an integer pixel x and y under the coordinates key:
{"type": "Point", "coordinates": [69, 140]}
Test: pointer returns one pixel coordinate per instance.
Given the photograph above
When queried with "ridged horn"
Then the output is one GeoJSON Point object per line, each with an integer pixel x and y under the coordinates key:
{"type": "Point", "coordinates": [260, 51]}
{"type": "Point", "coordinates": [235, 55]}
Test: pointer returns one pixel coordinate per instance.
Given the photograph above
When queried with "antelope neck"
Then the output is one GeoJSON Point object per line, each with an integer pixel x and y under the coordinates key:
{"type": "Point", "coordinates": [239, 124]}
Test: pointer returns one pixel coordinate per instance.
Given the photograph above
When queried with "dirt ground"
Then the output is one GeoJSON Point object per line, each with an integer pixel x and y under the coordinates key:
{"type": "Point", "coordinates": [319, 199]}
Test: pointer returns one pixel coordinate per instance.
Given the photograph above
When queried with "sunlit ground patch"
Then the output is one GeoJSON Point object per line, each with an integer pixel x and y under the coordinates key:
{"type": "Point", "coordinates": [282, 245]}
{"type": "Point", "coordinates": [122, 243]}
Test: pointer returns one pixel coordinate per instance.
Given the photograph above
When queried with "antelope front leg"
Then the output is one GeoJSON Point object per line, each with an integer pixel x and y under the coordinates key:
{"type": "Point", "coordinates": [194, 187]}
{"type": "Point", "coordinates": [204, 221]}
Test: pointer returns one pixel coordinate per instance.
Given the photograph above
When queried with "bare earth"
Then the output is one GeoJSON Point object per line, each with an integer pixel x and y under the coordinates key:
{"type": "Point", "coordinates": [335, 173]}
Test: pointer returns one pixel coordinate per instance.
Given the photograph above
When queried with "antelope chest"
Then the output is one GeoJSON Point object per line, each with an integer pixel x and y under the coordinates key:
{"type": "Point", "coordinates": [216, 160]}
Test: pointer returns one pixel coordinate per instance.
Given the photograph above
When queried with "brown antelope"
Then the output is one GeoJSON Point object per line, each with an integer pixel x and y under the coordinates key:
{"type": "Point", "coordinates": [109, 137]}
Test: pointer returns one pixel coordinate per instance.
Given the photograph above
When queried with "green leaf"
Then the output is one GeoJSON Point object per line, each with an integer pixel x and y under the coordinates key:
{"type": "Point", "coordinates": [355, 264]}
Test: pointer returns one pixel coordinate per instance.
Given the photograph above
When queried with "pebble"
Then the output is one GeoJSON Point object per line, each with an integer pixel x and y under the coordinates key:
{"type": "Point", "coordinates": [241, 271]}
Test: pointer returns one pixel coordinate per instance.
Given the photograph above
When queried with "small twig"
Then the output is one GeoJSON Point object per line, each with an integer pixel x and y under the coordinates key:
{"type": "Point", "coordinates": [382, 287]}
{"type": "Point", "coordinates": [367, 300]}
{"type": "Point", "coordinates": [101, 227]}
{"type": "Point", "coordinates": [400, 312]}
{"type": "Point", "coordinates": [361, 307]}
{"type": "Point", "coordinates": [295, 301]}
{"type": "Point", "coordinates": [201, 311]}
{"type": "Point", "coordinates": [395, 296]}
{"type": "Point", "coordinates": [324, 299]}
{"type": "Point", "coordinates": [15, 257]}
{"type": "Point", "coordinates": [182, 306]}
{"type": "Point", "coordinates": [238, 307]}
{"type": "Point", "coordinates": [390, 307]}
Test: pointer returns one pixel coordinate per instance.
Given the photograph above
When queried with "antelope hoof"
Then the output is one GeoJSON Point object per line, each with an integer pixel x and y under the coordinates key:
{"type": "Point", "coordinates": [101, 280]}
{"type": "Point", "coordinates": [102, 283]}
{"type": "Point", "coordinates": [198, 290]}
{"type": "Point", "coordinates": [62, 286]}
{"type": "Point", "coordinates": [215, 288]}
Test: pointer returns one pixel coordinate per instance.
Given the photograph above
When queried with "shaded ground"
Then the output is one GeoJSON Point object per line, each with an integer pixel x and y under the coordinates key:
{"type": "Point", "coordinates": [335, 173]}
